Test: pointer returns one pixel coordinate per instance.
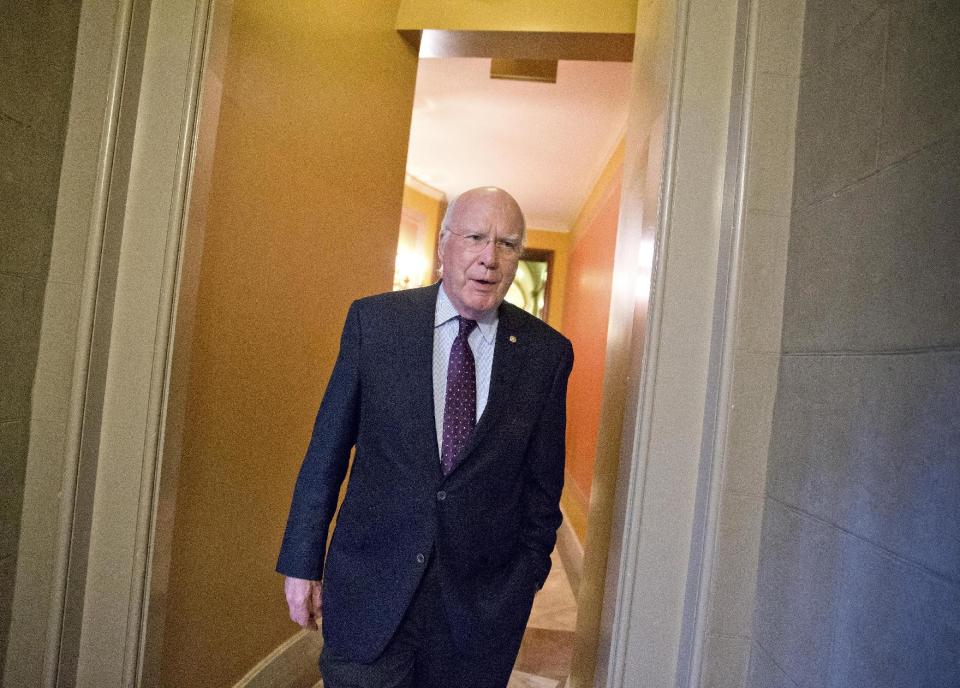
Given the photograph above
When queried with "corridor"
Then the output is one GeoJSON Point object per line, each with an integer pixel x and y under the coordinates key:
{"type": "Point", "coordinates": [774, 498]}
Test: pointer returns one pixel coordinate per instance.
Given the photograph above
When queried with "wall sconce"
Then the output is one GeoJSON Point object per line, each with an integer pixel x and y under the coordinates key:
{"type": "Point", "coordinates": [409, 270]}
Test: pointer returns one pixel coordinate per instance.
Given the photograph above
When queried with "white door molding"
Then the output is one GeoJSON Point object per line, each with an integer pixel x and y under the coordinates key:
{"type": "Point", "coordinates": [645, 606]}
{"type": "Point", "coordinates": [96, 626]}
{"type": "Point", "coordinates": [651, 620]}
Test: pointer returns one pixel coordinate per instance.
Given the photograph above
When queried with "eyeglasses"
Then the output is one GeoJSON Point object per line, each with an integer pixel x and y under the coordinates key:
{"type": "Point", "coordinates": [475, 243]}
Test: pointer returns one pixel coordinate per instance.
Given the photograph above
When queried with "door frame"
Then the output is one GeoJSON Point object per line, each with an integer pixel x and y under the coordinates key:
{"type": "Point", "coordinates": [673, 276]}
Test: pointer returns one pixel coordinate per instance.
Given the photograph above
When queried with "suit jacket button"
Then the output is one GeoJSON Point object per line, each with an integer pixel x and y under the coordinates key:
{"type": "Point", "coordinates": [441, 495]}
{"type": "Point", "coordinates": [420, 558]}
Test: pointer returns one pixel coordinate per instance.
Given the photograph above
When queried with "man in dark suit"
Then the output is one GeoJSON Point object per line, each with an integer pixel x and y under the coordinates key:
{"type": "Point", "coordinates": [455, 404]}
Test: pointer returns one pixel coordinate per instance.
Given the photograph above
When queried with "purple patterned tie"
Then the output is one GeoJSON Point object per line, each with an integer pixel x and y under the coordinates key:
{"type": "Point", "coordinates": [460, 408]}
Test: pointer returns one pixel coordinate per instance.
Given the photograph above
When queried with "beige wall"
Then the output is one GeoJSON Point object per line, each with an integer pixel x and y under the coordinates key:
{"type": "Point", "coordinates": [304, 206]}
{"type": "Point", "coordinates": [39, 40]}
{"type": "Point", "coordinates": [600, 16]}
{"type": "Point", "coordinates": [765, 231]}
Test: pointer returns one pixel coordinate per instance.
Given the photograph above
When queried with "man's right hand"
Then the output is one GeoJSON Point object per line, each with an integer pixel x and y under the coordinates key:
{"type": "Point", "coordinates": [303, 599]}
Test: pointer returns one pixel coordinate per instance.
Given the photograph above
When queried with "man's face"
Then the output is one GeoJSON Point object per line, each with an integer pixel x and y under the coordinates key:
{"type": "Point", "coordinates": [477, 278]}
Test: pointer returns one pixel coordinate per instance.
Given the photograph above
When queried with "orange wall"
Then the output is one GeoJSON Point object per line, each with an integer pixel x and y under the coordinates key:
{"type": "Point", "coordinates": [304, 205]}
{"type": "Point", "coordinates": [585, 314]}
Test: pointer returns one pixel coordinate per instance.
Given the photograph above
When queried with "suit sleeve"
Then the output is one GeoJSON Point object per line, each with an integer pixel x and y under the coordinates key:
{"type": "Point", "coordinates": [544, 478]}
{"type": "Point", "coordinates": [325, 464]}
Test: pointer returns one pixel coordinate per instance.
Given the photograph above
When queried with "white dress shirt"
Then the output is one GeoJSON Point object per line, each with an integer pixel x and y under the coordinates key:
{"type": "Point", "coordinates": [481, 340]}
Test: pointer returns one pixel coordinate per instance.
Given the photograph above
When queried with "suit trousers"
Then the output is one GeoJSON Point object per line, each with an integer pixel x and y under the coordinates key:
{"type": "Point", "coordinates": [422, 652]}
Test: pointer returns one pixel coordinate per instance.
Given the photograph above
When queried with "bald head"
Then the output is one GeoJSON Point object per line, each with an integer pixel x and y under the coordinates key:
{"type": "Point", "coordinates": [488, 200]}
{"type": "Point", "coordinates": [480, 244]}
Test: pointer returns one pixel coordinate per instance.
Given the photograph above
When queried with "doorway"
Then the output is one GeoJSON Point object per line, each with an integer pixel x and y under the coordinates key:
{"type": "Point", "coordinates": [531, 287]}
{"type": "Point", "coordinates": [556, 143]}
{"type": "Point", "coordinates": [128, 450]}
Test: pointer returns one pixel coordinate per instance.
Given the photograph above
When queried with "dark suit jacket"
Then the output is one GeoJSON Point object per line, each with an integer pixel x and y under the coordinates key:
{"type": "Point", "coordinates": [491, 523]}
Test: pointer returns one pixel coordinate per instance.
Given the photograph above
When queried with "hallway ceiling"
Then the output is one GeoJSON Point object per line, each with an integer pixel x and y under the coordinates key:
{"type": "Point", "coordinates": [544, 143]}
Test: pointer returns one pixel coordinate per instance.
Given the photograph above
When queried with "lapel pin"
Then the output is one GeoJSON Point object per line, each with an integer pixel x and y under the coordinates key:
{"type": "Point", "coordinates": [513, 339]}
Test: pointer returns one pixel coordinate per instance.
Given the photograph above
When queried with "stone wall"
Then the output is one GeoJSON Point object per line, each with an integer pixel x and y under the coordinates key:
{"type": "Point", "coordinates": [859, 577]}
{"type": "Point", "coordinates": [37, 43]}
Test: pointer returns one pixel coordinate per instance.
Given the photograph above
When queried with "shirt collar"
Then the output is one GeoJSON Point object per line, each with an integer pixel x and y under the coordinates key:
{"type": "Point", "coordinates": [445, 311]}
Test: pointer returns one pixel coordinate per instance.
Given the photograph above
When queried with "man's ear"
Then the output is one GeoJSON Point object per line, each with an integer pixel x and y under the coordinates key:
{"type": "Point", "coordinates": [440, 244]}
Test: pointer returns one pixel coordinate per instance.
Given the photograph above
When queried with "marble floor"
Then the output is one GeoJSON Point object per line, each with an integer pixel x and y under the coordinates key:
{"type": "Point", "coordinates": [544, 660]}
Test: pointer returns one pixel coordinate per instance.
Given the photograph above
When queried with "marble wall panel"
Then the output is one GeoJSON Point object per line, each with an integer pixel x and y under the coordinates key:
{"type": "Point", "coordinates": [798, 592]}
{"type": "Point", "coordinates": [872, 445]}
{"type": "Point", "coordinates": [897, 624]}
{"type": "Point", "coordinates": [875, 267]}
{"type": "Point", "coordinates": [829, 25]}
{"type": "Point", "coordinates": [839, 114]}
{"type": "Point", "coordinates": [764, 673]}
{"type": "Point", "coordinates": [921, 95]}
{"type": "Point", "coordinates": [37, 44]}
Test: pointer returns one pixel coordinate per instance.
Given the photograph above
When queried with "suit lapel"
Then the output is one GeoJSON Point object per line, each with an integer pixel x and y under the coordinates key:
{"type": "Point", "coordinates": [417, 325]}
{"type": "Point", "coordinates": [508, 353]}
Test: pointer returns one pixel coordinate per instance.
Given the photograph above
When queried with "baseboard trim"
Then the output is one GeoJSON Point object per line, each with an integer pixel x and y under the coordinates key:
{"type": "Point", "coordinates": [292, 664]}
{"type": "Point", "coordinates": [571, 554]}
